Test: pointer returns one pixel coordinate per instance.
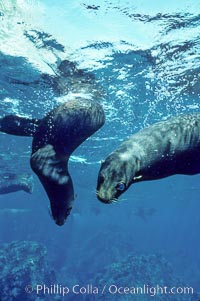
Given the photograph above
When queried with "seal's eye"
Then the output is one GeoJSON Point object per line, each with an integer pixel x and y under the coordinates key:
{"type": "Point", "coordinates": [121, 186]}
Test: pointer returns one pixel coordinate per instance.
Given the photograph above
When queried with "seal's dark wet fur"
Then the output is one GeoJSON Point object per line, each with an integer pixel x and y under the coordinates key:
{"type": "Point", "coordinates": [166, 148]}
{"type": "Point", "coordinates": [55, 137]}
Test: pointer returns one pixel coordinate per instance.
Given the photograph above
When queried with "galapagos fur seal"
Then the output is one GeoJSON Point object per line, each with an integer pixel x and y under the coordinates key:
{"type": "Point", "coordinates": [10, 182]}
{"type": "Point", "coordinates": [58, 135]}
{"type": "Point", "coordinates": [164, 149]}
{"type": "Point", "coordinates": [55, 137]}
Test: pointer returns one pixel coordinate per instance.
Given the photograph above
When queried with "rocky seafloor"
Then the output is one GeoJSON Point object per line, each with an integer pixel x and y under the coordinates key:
{"type": "Point", "coordinates": [24, 264]}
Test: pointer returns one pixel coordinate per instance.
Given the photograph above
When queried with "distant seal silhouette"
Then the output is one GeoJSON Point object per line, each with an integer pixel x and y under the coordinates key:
{"type": "Point", "coordinates": [55, 137]}
{"type": "Point", "coordinates": [166, 148]}
{"type": "Point", "coordinates": [10, 182]}
{"type": "Point", "coordinates": [67, 78]}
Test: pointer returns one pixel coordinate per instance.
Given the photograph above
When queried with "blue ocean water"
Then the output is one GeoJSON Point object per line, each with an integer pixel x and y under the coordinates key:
{"type": "Point", "coordinates": [145, 58]}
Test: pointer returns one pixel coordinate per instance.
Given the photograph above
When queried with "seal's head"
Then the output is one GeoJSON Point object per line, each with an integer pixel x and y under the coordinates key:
{"type": "Point", "coordinates": [52, 171]}
{"type": "Point", "coordinates": [114, 178]}
{"type": "Point", "coordinates": [61, 198]}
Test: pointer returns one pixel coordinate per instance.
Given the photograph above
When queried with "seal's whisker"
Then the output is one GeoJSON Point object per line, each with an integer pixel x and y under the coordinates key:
{"type": "Point", "coordinates": [50, 212]}
{"type": "Point", "coordinates": [121, 200]}
{"type": "Point", "coordinates": [94, 191]}
{"type": "Point", "coordinates": [114, 201]}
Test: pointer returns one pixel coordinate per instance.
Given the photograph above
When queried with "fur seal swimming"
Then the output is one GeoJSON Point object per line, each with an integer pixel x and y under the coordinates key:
{"type": "Point", "coordinates": [10, 182]}
{"type": "Point", "coordinates": [55, 137]}
{"type": "Point", "coordinates": [166, 148]}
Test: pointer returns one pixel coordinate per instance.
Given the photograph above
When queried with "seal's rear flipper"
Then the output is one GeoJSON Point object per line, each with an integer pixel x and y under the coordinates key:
{"type": "Point", "coordinates": [53, 174]}
{"type": "Point", "coordinates": [19, 126]}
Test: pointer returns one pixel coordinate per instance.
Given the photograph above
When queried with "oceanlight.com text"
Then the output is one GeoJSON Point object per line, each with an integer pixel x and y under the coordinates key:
{"type": "Point", "coordinates": [112, 289]}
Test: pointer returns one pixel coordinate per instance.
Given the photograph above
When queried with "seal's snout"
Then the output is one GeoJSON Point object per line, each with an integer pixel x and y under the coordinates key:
{"type": "Point", "coordinates": [60, 222]}
{"type": "Point", "coordinates": [105, 193]}
{"type": "Point", "coordinates": [59, 218]}
{"type": "Point", "coordinates": [102, 199]}
{"type": "Point", "coordinates": [60, 215]}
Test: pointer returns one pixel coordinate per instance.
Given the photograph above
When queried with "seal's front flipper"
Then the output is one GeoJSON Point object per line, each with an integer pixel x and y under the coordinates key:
{"type": "Point", "coordinates": [19, 126]}
{"type": "Point", "coordinates": [53, 174]}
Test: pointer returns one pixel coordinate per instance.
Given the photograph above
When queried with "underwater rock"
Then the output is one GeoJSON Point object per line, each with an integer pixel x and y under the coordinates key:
{"type": "Point", "coordinates": [22, 264]}
{"type": "Point", "coordinates": [97, 252]}
{"type": "Point", "coordinates": [147, 272]}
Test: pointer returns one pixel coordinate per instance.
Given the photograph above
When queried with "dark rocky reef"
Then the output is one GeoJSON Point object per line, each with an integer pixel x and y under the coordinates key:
{"type": "Point", "coordinates": [137, 271]}
{"type": "Point", "coordinates": [23, 263]}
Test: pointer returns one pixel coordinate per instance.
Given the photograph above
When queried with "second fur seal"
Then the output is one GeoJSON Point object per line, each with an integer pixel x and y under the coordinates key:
{"type": "Point", "coordinates": [55, 137]}
{"type": "Point", "coordinates": [166, 148]}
